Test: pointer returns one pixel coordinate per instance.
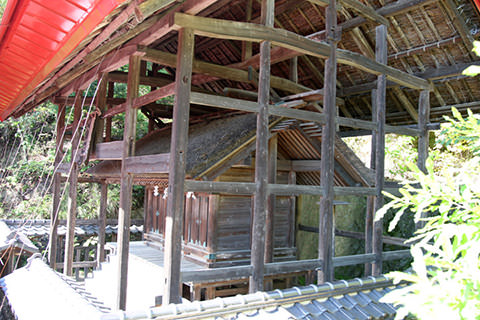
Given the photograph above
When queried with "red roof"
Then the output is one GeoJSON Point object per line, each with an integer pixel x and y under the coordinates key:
{"type": "Point", "coordinates": [35, 36]}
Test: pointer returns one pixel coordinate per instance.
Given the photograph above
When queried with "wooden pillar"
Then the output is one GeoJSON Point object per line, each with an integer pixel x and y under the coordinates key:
{"type": "Point", "coordinates": [380, 56]}
{"type": "Point", "coordinates": [176, 178]}
{"type": "Point", "coordinates": [423, 139]}
{"type": "Point", "coordinates": [292, 179]}
{"type": "Point", "coordinates": [57, 184]}
{"type": "Point", "coordinates": [101, 104]}
{"type": "Point", "coordinates": [126, 182]}
{"type": "Point", "coordinates": [370, 210]}
{"type": "Point", "coordinates": [270, 218]}
{"type": "Point", "coordinates": [73, 181]}
{"type": "Point", "coordinates": [272, 178]}
{"type": "Point", "coordinates": [108, 121]}
{"type": "Point", "coordinates": [325, 243]}
{"type": "Point", "coordinates": [261, 157]}
{"type": "Point", "coordinates": [293, 69]}
{"type": "Point", "coordinates": [247, 45]}
{"type": "Point", "coordinates": [423, 120]}
{"type": "Point", "coordinates": [102, 217]}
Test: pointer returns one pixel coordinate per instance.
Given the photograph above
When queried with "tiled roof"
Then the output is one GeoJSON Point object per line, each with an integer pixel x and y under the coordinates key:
{"type": "Point", "coordinates": [10, 238]}
{"type": "Point", "coordinates": [38, 228]}
{"type": "Point", "coordinates": [38, 292]}
{"type": "Point", "coordinates": [342, 300]}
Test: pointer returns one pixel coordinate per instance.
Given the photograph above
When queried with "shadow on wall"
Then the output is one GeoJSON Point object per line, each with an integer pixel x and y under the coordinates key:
{"type": "Point", "coordinates": [349, 217]}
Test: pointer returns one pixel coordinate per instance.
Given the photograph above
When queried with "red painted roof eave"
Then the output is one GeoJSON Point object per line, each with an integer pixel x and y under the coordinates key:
{"type": "Point", "coordinates": [7, 15]}
{"type": "Point", "coordinates": [75, 35]}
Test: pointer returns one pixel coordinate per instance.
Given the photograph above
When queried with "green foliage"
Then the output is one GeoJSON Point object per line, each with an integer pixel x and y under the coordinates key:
{"type": "Point", "coordinates": [445, 283]}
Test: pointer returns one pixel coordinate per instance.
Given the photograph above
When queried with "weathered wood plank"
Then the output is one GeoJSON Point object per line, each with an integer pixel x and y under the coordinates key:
{"type": "Point", "coordinates": [154, 163]}
{"type": "Point", "coordinates": [176, 177]}
{"type": "Point", "coordinates": [249, 32]}
{"type": "Point", "coordinates": [126, 182]}
{"type": "Point", "coordinates": [353, 260]}
{"type": "Point", "coordinates": [108, 151]}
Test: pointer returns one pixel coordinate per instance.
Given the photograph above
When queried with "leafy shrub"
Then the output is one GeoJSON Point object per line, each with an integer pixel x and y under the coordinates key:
{"type": "Point", "coordinates": [445, 283]}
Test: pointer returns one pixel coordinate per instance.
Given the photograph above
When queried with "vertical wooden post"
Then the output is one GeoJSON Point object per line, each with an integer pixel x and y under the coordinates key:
{"type": "Point", "coordinates": [380, 56]}
{"type": "Point", "coordinates": [270, 218]}
{"type": "Point", "coordinates": [423, 120]}
{"type": "Point", "coordinates": [292, 179]}
{"type": "Point", "coordinates": [423, 139]}
{"type": "Point", "coordinates": [126, 182]}
{"type": "Point", "coordinates": [247, 45]}
{"type": "Point", "coordinates": [102, 217]}
{"type": "Point", "coordinates": [261, 157]}
{"type": "Point", "coordinates": [325, 245]}
{"type": "Point", "coordinates": [108, 121]}
{"type": "Point", "coordinates": [72, 189]}
{"type": "Point", "coordinates": [101, 104]}
{"type": "Point", "coordinates": [370, 210]}
{"type": "Point", "coordinates": [176, 177]}
{"type": "Point", "coordinates": [57, 184]}
{"type": "Point", "coordinates": [293, 69]}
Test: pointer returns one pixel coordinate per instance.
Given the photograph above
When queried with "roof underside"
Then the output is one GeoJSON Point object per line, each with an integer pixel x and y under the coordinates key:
{"type": "Point", "coordinates": [427, 38]}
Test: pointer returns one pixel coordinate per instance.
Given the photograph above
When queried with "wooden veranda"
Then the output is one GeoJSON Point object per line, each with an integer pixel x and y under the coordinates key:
{"type": "Point", "coordinates": [350, 68]}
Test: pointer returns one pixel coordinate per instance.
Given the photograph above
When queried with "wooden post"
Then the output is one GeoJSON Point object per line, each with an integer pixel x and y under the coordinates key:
{"type": "Point", "coordinates": [101, 104]}
{"type": "Point", "coordinates": [176, 177]}
{"type": "Point", "coordinates": [108, 121]}
{"type": "Point", "coordinates": [423, 139]}
{"type": "Point", "coordinates": [380, 56]}
{"type": "Point", "coordinates": [423, 120]}
{"type": "Point", "coordinates": [270, 218]}
{"type": "Point", "coordinates": [102, 216]}
{"type": "Point", "coordinates": [272, 178]}
{"type": "Point", "coordinates": [247, 45]}
{"type": "Point", "coordinates": [57, 184]}
{"type": "Point", "coordinates": [261, 157]}
{"type": "Point", "coordinates": [292, 179]}
{"type": "Point", "coordinates": [325, 242]}
{"type": "Point", "coordinates": [293, 69]}
{"type": "Point", "coordinates": [369, 216]}
{"type": "Point", "coordinates": [72, 189]}
{"type": "Point", "coordinates": [126, 182]}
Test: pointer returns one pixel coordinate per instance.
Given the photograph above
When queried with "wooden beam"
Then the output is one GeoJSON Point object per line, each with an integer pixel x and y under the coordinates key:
{"type": "Point", "coordinates": [155, 163]}
{"type": "Point", "coordinates": [325, 242]}
{"type": "Point", "coordinates": [423, 140]}
{"type": "Point", "coordinates": [176, 177]}
{"type": "Point", "coordinates": [73, 184]}
{"type": "Point", "coordinates": [139, 102]}
{"type": "Point", "coordinates": [126, 183]}
{"type": "Point", "coordinates": [156, 81]}
{"type": "Point", "coordinates": [406, 103]}
{"type": "Point", "coordinates": [219, 71]}
{"type": "Point", "coordinates": [261, 155]}
{"type": "Point", "coordinates": [108, 151]}
{"type": "Point", "coordinates": [381, 56]}
{"type": "Point", "coordinates": [102, 217]}
{"type": "Point", "coordinates": [226, 29]}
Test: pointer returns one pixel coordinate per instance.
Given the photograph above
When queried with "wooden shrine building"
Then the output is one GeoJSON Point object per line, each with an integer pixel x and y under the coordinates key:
{"type": "Point", "coordinates": [263, 92]}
